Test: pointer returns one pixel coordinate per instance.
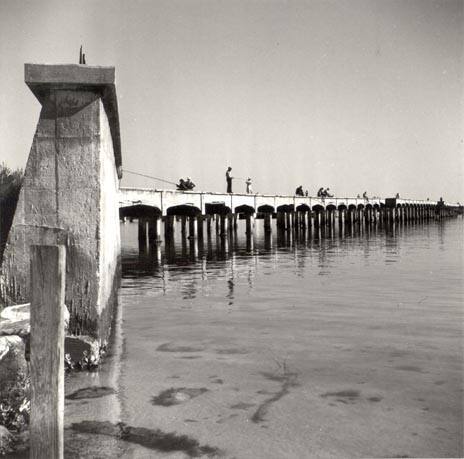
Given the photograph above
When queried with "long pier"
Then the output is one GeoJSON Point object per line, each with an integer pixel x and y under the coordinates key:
{"type": "Point", "coordinates": [151, 207]}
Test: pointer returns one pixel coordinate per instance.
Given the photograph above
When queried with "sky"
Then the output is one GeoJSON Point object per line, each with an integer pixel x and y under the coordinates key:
{"type": "Point", "coordinates": [355, 95]}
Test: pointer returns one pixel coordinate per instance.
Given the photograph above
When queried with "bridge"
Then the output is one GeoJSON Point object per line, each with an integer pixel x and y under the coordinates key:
{"type": "Point", "coordinates": [151, 207]}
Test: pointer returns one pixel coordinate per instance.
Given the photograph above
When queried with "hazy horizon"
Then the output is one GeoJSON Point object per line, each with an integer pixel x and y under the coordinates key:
{"type": "Point", "coordinates": [352, 95]}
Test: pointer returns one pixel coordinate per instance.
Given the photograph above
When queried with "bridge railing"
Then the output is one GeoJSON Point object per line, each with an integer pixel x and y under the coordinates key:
{"type": "Point", "coordinates": [165, 199]}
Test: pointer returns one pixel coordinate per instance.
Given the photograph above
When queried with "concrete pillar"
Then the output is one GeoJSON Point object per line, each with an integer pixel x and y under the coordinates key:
{"type": "Point", "coordinates": [280, 221]}
{"type": "Point", "coordinates": [268, 240]}
{"type": "Point", "coordinates": [288, 221]}
{"type": "Point", "coordinates": [224, 225]}
{"type": "Point", "coordinates": [193, 226]}
{"type": "Point", "coordinates": [183, 225]}
{"type": "Point", "coordinates": [208, 224]}
{"type": "Point", "coordinates": [70, 193]}
{"type": "Point", "coordinates": [267, 222]}
{"type": "Point", "coordinates": [250, 223]}
{"type": "Point", "coordinates": [201, 219]}
{"type": "Point", "coordinates": [295, 220]}
{"type": "Point", "coordinates": [154, 229]}
{"type": "Point", "coordinates": [169, 227]}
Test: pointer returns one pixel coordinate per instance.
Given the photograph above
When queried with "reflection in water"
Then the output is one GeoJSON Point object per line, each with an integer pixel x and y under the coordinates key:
{"type": "Point", "coordinates": [212, 249]}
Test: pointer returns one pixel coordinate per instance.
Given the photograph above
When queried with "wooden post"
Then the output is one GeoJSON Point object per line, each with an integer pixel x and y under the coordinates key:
{"type": "Point", "coordinates": [48, 270]}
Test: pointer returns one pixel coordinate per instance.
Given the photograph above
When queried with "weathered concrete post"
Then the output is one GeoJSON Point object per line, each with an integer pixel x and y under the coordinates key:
{"type": "Point", "coordinates": [70, 192]}
{"type": "Point", "coordinates": [48, 271]}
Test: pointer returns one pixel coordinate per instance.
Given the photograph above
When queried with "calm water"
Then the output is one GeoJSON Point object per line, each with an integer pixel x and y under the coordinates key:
{"type": "Point", "coordinates": [342, 347]}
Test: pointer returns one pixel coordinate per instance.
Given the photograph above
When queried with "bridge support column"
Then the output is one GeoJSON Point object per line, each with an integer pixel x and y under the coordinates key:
{"type": "Point", "coordinates": [303, 220]}
{"type": "Point", "coordinates": [250, 223]}
{"type": "Point", "coordinates": [169, 227]}
{"type": "Point", "coordinates": [280, 221]}
{"type": "Point", "coordinates": [234, 219]}
{"type": "Point", "coordinates": [201, 219]}
{"type": "Point", "coordinates": [224, 225]}
{"type": "Point", "coordinates": [154, 229]}
{"type": "Point", "coordinates": [142, 234]}
{"type": "Point", "coordinates": [193, 227]}
{"type": "Point", "coordinates": [288, 221]}
{"type": "Point", "coordinates": [267, 222]}
{"type": "Point", "coordinates": [183, 225]}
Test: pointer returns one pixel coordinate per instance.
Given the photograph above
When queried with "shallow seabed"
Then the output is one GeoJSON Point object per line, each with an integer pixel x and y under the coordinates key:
{"type": "Point", "coordinates": [342, 347]}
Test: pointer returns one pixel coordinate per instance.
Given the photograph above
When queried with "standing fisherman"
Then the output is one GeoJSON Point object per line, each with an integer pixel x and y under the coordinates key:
{"type": "Point", "coordinates": [249, 189]}
{"type": "Point", "coordinates": [229, 180]}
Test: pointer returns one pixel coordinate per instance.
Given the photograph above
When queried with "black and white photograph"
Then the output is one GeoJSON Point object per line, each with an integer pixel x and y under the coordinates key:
{"type": "Point", "coordinates": [231, 229]}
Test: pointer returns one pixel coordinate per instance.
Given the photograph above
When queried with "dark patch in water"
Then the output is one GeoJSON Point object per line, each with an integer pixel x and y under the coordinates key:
{"type": "Point", "coordinates": [288, 381]}
{"type": "Point", "coordinates": [409, 368]}
{"type": "Point", "coordinates": [190, 420]}
{"type": "Point", "coordinates": [174, 377]}
{"type": "Point", "coordinates": [221, 421]}
{"type": "Point", "coordinates": [264, 392]}
{"type": "Point", "coordinates": [190, 357]}
{"type": "Point", "coordinates": [401, 455]}
{"type": "Point", "coordinates": [375, 399]}
{"type": "Point", "coordinates": [152, 439]}
{"type": "Point", "coordinates": [176, 396]}
{"type": "Point", "coordinates": [344, 396]}
{"type": "Point", "coordinates": [91, 392]}
{"type": "Point", "coordinates": [218, 381]}
{"type": "Point", "coordinates": [169, 347]}
{"type": "Point", "coordinates": [398, 353]}
{"type": "Point", "coordinates": [242, 406]}
{"type": "Point", "coordinates": [231, 351]}
{"type": "Point", "coordinates": [439, 383]}
{"type": "Point", "coordinates": [425, 408]}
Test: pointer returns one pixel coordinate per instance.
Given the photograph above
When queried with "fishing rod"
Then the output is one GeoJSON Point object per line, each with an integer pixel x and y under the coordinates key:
{"type": "Point", "coordinates": [149, 176]}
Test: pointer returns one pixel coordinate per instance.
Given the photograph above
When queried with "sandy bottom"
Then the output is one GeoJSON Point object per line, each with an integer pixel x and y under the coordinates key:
{"type": "Point", "coordinates": [284, 383]}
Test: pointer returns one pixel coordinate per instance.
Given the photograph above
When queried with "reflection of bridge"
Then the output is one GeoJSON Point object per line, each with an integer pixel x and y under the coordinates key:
{"type": "Point", "coordinates": [151, 207]}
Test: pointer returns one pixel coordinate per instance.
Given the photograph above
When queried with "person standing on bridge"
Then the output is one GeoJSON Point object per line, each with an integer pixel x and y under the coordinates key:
{"type": "Point", "coordinates": [249, 189]}
{"type": "Point", "coordinates": [229, 179]}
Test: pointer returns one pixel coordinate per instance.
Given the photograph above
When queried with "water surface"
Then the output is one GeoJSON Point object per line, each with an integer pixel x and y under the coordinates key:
{"type": "Point", "coordinates": [290, 347]}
